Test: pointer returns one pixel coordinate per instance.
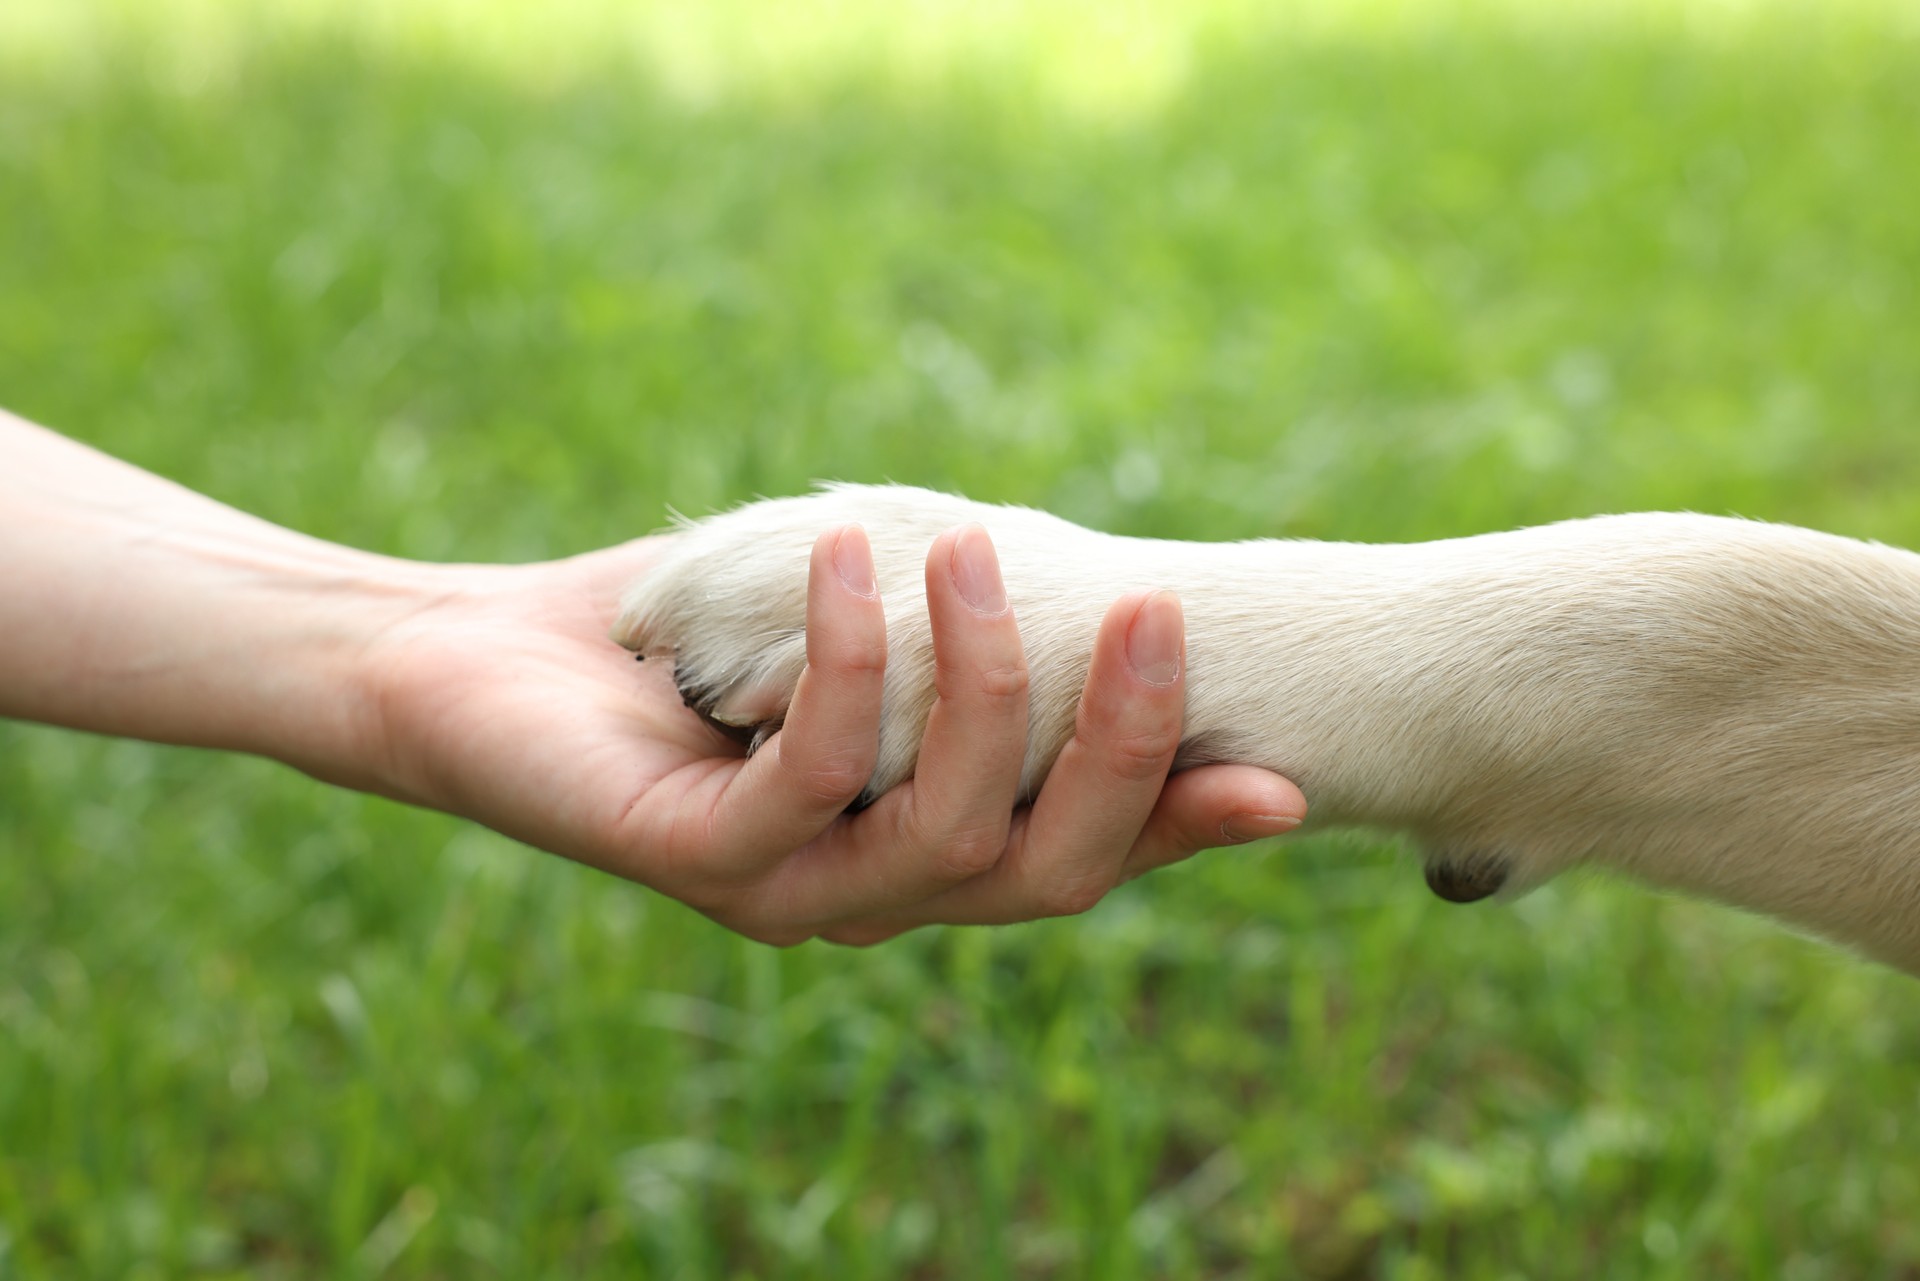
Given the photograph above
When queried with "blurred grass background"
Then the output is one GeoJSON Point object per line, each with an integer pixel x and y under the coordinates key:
{"type": "Point", "coordinates": [475, 280]}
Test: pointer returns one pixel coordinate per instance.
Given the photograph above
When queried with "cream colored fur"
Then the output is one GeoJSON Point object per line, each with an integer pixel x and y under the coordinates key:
{"type": "Point", "coordinates": [1725, 707]}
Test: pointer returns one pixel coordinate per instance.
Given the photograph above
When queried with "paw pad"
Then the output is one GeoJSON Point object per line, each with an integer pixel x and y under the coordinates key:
{"type": "Point", "coordinates": [1466, 878]}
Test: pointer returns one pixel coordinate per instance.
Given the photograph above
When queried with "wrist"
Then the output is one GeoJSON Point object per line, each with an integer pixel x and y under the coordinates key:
{"type": "Point", "coordinates": [214, 631]}
{"type": "Point", "coordinates": [311, 646]}
{"type": "Point", "coordinates": [135, 607]}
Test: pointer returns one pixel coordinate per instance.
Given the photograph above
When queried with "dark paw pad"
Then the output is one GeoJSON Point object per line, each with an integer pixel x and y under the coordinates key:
{"type": "Point", "coordinates": [1466, 878]}
{"type": "Point", "coordinates": [702, 702]}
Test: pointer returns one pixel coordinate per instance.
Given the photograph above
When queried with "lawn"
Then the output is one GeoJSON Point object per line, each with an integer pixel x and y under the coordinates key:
{"type": "Point", "coordinates": [478, 282]}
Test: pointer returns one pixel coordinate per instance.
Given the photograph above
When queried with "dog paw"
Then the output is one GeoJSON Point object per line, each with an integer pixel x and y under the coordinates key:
{"type": "Point", "coordinates": [728, 608]}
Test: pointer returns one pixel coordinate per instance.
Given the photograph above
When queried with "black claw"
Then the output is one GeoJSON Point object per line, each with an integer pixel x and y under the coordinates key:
{"type": "Point", "coordinates": [1466, 880]}
{"type": "Point", "coordinates": [702, 700]}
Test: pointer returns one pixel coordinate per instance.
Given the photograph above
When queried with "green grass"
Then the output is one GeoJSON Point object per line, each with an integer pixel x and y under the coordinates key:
{"type": "Point", "coordinates": [459, 284]}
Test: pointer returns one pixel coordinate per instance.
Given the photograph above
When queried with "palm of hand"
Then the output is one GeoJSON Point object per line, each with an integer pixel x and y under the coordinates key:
{"type": "Point", "coordinates": [503, 700]}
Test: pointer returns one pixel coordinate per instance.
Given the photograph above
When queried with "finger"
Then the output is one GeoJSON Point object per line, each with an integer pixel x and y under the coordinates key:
{"type": "Point", "coordinates": [950, 822]}
{"type": "Point", "coordinates": [1211, 806]}
{"type": "Point", "coordinates": [1067, 851]}
{"type": "Point", "coordinates": [1199, 809]}
{"type": "Point", "coordinates": [954, 822]}
{"type": "Point", "coordinates": [812, 769]}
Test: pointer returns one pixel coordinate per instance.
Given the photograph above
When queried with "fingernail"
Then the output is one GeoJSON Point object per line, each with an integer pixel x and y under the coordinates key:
{"type": "Point", "coordinates": [976, 572]}
{"type": "Point", "coordinates": [1251, 827]}
{"type": "Point", "coordinates": [853, 560]}
{"type": "Point", "coordinates": [1153, 642]}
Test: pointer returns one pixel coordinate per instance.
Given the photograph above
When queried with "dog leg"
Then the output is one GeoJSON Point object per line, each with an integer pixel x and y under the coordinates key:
{"type": "Point", "coordinates": [1726, 707]}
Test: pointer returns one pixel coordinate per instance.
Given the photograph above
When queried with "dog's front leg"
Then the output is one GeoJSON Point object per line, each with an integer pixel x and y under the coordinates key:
{"type": "Point", "coordinates": [1724, 707]}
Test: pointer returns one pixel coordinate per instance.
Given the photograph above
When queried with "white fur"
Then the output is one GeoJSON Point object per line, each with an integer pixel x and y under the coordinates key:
{"type": "Point", "coordinates": [1722, 706]}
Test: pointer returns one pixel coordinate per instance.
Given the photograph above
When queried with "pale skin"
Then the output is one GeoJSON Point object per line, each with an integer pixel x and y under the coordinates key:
{"type": "Point", "coordinates": [134, 607]}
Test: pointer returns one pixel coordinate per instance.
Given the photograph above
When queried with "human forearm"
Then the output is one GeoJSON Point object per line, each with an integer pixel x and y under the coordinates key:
{"type": "Point", "coordinates": [133, 606]}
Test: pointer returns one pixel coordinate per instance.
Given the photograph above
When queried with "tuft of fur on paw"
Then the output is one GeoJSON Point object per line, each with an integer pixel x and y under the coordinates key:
{"type": "Point", "coordinates": [727, 608]}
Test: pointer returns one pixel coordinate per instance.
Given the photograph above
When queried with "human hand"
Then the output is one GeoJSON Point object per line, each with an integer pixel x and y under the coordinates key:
{"type": "Point", "coordinates": [501, 699]}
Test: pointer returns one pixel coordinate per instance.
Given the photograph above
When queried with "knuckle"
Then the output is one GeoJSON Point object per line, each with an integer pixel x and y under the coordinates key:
{"type": "Point", "coordinates": [857, 655]}
{"type": "Point", "coordinates": [1000, 686]}
{"type": "Point", "coordinates": [765, 926]}
{"type": "Point", "coordinates": [777, 936]}
{"type": "Point", "coordinates": [1071, 897]}
{"type": "Point", "coordinates": [858, 935]}
{"type": "Point", "coordinates": [708, 894]}
{"type": "Point", "coordinates": [1003, 684]}
{"type": "Point", "coordinates": [1139, 756]}
{"type": "Point", "coordinates": [765, 907]}
{"type": "Point", "coordinates": [715, 886]}
{"type": "Point", "coordinates": [970, 854]}
{"type": "Point", "coordinates": [762, 928]}
{"type": "Point", "coordinates": [836, 781]}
